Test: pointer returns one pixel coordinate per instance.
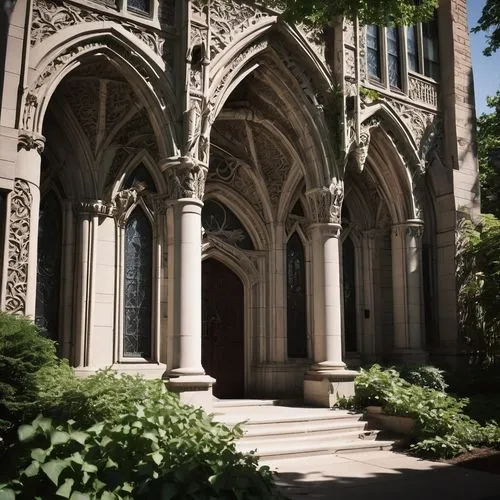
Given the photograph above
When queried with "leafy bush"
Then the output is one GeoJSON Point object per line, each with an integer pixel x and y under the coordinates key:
{"type": "Point", "coordinates": [376, 385]}
{"type": "Point", "coordinates": [425, 376]}
{"type": "Point", "coordinates": [160, 449]}
{"type": "Point", "coordinates": [23, 354]}
{"type": "Point", "coordinates": [442, 428]}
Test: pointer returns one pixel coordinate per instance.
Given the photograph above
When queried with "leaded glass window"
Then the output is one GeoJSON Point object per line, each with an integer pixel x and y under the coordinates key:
{"type": "Point", "coordinates": [412, 48]}
{"type": "Point", "coordinates": [296, 298]}
{"type": "Point", "coordinates": [393, 61]}
{"type": "Point", "coordinates": [431, 55]}
{"type": "Point", "coordinates": [143, 6]}
{"type": "Point", "coordinates": [373, 46]}
{"type": "Point", "coordinates": [49, 265]}
{"type": "Point", "coordinates": [349, 282]}
{"type": "Point", "coordinates": [138, 285]}
{"type": "Point", "coordinates": [220, 221]}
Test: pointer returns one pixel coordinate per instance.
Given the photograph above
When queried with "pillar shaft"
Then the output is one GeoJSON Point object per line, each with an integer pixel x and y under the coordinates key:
{"type": "Point", "coordinates": [185, 256]}
{"type": "Point", "coordinates": [407, 286]}
{"type": "Point", "coordinates": [327, 297]}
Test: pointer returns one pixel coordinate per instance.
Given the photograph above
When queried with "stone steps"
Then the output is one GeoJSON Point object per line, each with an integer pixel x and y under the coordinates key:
{"type": "Point", "coordinates": [275, 431]}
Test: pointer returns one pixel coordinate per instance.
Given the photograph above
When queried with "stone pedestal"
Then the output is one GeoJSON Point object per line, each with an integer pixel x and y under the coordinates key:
{"type": "Point", "coordinates": [325, 389]}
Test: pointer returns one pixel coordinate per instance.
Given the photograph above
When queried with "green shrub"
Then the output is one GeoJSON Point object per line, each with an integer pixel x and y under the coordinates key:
{"type": "Point", "coordinates": [161, 449]}
{"type": "Point", "coordinates": [376, 385]}
{"type": "Point", "coordinates": [23, 353]}
{"type": "Point", "coordinates": [425, 376]}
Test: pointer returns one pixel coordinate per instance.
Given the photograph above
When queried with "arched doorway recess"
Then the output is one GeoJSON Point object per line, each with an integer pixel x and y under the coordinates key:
{"type": "Point", "coordinates": [223, 354]}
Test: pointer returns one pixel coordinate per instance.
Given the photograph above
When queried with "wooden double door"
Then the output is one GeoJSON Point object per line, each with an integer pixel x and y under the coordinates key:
{"type": "Point", "coordinates": [223, 352]}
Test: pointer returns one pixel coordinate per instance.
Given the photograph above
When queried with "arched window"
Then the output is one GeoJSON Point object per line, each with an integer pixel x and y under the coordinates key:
{"type": "Point", "coordinates": [296, 298]}
{"type": "Point", "coordinates": [49, 265]}
{"type": "Point", "coordinates": [349, 281]}
{"type": "Point", "coordinates": [138, 286]}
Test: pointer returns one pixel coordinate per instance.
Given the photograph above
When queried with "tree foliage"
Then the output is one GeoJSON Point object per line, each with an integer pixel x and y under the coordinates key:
{"type": "Point", "coordinates": [478, 283]}
{"type": "Point", "coordinates": [321, 12]}
{"type": "Point", "coordinates": [490, 23]}
{"type": "Point", "coordinates": [488, 144]}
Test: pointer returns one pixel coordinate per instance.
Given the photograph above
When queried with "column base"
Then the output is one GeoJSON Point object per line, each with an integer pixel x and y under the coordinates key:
{"type": "Point", "coordinates": [322, 388]}
{"type": "Point", "coordinates": [195, 390]}
{"type": "Point", "coordinates": [409, 357]}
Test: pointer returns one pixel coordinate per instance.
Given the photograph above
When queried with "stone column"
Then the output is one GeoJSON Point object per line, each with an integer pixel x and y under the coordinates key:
{"type": "Point", "coordinates": [328, 378]}
{"type": "Point", "coordinates": [186, 182]}
{"type": "Point", "coordinates": [20, 285]}
{"type": "Point", "coordinates": [407, 291]}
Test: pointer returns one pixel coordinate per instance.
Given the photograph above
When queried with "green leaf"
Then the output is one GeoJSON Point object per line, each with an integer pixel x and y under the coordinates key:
{"type": "Point", "coordinates": [86, 467]}
{"type": "Point", "coordinates": [65, 489]}
{"type": "Point", "coordinates": [39, 454]}
{"type": "Point", "coordinates": [32, 469]}
{"type": "Point", "coordinates": [157, 457]}
{"type": "Point", "coordinates": [7, 494]}
{"type": "Point", "coordinates": [59, 437]}
{"type": "Point", "coordinates": [77, 495]}
{"type": "Point", "coordinates": [79, 436]}
{"type": "Point", "coordinates": [26, 433]}
{"type": "Point", "coordinates": [53, 469]}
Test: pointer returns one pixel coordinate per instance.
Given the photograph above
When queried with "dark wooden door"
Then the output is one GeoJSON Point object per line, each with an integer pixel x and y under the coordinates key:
{"type": "Point", "coordinates": [223, 338]}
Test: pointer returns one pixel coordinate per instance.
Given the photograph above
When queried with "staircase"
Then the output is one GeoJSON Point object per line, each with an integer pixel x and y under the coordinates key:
{"type": "Point", "coordinates": [279, 431]}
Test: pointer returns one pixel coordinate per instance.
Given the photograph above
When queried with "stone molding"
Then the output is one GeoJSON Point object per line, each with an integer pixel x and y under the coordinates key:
{"type": "Point", "coordinates": [326, 203]}
{"type": "Point", "coordinates": [95, 207]}
{"type": "Point", "coordinates": [19, 247]}
{"type": "Point", "coordinates": [412, 229]}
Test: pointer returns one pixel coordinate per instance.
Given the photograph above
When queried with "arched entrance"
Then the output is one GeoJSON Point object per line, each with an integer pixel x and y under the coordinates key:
{"type": "Point", "coordinates": [223, 329]}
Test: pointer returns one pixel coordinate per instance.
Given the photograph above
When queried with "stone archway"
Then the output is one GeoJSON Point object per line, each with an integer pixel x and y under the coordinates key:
{"type": "Point", "coordinates": [223, 335]}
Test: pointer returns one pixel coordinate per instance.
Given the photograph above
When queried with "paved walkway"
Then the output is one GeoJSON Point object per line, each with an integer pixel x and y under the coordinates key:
{"type": "Point", "coordinates": [380, 475]}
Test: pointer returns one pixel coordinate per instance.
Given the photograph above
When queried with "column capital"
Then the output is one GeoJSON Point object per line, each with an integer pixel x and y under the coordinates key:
{"type": "Point", "coordinates": [30, 140]}
{"type": "Point", "coordinates": [326, 229]}
{"type": "Point", "coordinates": [413, 228]}
{"type": "Point", "coordinates": [185, 177]}
{"type": "Point", "coordinates": [326, 202]}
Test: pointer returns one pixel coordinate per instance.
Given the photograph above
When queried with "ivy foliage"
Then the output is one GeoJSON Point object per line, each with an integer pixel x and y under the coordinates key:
{"type": "Point", "coordinates": [490, 22]}
{"type": "Point", "coordinates": [319, 13]}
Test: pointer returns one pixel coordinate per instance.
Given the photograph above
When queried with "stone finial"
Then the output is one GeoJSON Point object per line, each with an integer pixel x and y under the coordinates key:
{"type": "Point", "coordinates": [326, 202]}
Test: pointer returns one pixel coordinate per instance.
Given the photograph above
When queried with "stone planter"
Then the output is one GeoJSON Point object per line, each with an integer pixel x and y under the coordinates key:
{"type": "Point", "coordinates": [392, 423]}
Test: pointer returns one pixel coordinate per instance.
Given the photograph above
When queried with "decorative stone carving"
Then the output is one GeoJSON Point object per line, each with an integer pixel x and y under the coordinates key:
{"type": "Point", "coordinates": [95, 207]}
{"type": "Point", "coordinates": [423, 91]}
{"type": "Point", "coordinates": [415, 231]}
{"type": "Point", "coordinates": [50, 17]}
{"type": "Point", "coordinates": [326, 203]}
{"type": "Point", "coordinates": [124, 200]}
{"type": "Point", "coordinates": [223, 169]}
{"type": "Point", "coordinates": [185, 179]}
{"type": "Point", "coordinates": [229, 18]}
{"type": "Point", "coordinates": [19, 241]}
{"type": "Point", "coordinates": [350, 63]}
{"type": "Point", "coordinates": [30, 106]}
{"type": "Point", "coordinates": [360, 152]}
{"type": "Point", "coordinates": [30, 140]}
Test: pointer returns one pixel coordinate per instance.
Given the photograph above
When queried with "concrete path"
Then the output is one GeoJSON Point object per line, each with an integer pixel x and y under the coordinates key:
{"type": "Point", "coordinates": [380, 475]}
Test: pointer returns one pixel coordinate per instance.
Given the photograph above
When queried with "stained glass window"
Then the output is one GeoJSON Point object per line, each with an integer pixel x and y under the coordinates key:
{"type": "Point", "coordinates": [139, 5]}
{"type": "Point", "coordinates": [412, 48]}
{"type": "Point", "coordinates": [373, 46]}
{"type": "Point", "coordinates": [138, 285]}
{"type": "Point", "coordinates": [49, 265]}
{"type": "Point", "coordinates": [296, 298]}
{"type": "Point", "coordinates": [393, 57]}
{"type": "Point", "coordinates": [220, 221]}
{"type": "Point", "coordinates": [349, 270]}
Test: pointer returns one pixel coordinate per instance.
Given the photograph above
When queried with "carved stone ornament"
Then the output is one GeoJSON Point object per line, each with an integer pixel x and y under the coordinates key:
{"type": "Point", "coordinates": [19, 241]}
{"type": "Point", "coordinates": [326, 203]}
{"type": "Point", "coordinates": [30, 140]}
{"type": "Point", "coordinates": [185, 179]}
{"type": "Point", "coordinates": [95, 207]}
{"type": "Point", "coordinates": [415, 231]}
{"type": "Point", "coordinates": [50, 17]}
{"type": "Point", "coordinates": [360, 152]}
{"type": "Point", "coordinates": [125, 199]}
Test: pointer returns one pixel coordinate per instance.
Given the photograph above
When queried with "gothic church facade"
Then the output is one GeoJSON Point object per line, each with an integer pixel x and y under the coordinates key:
{"type": "Point", "coordinates": [201, 191]}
